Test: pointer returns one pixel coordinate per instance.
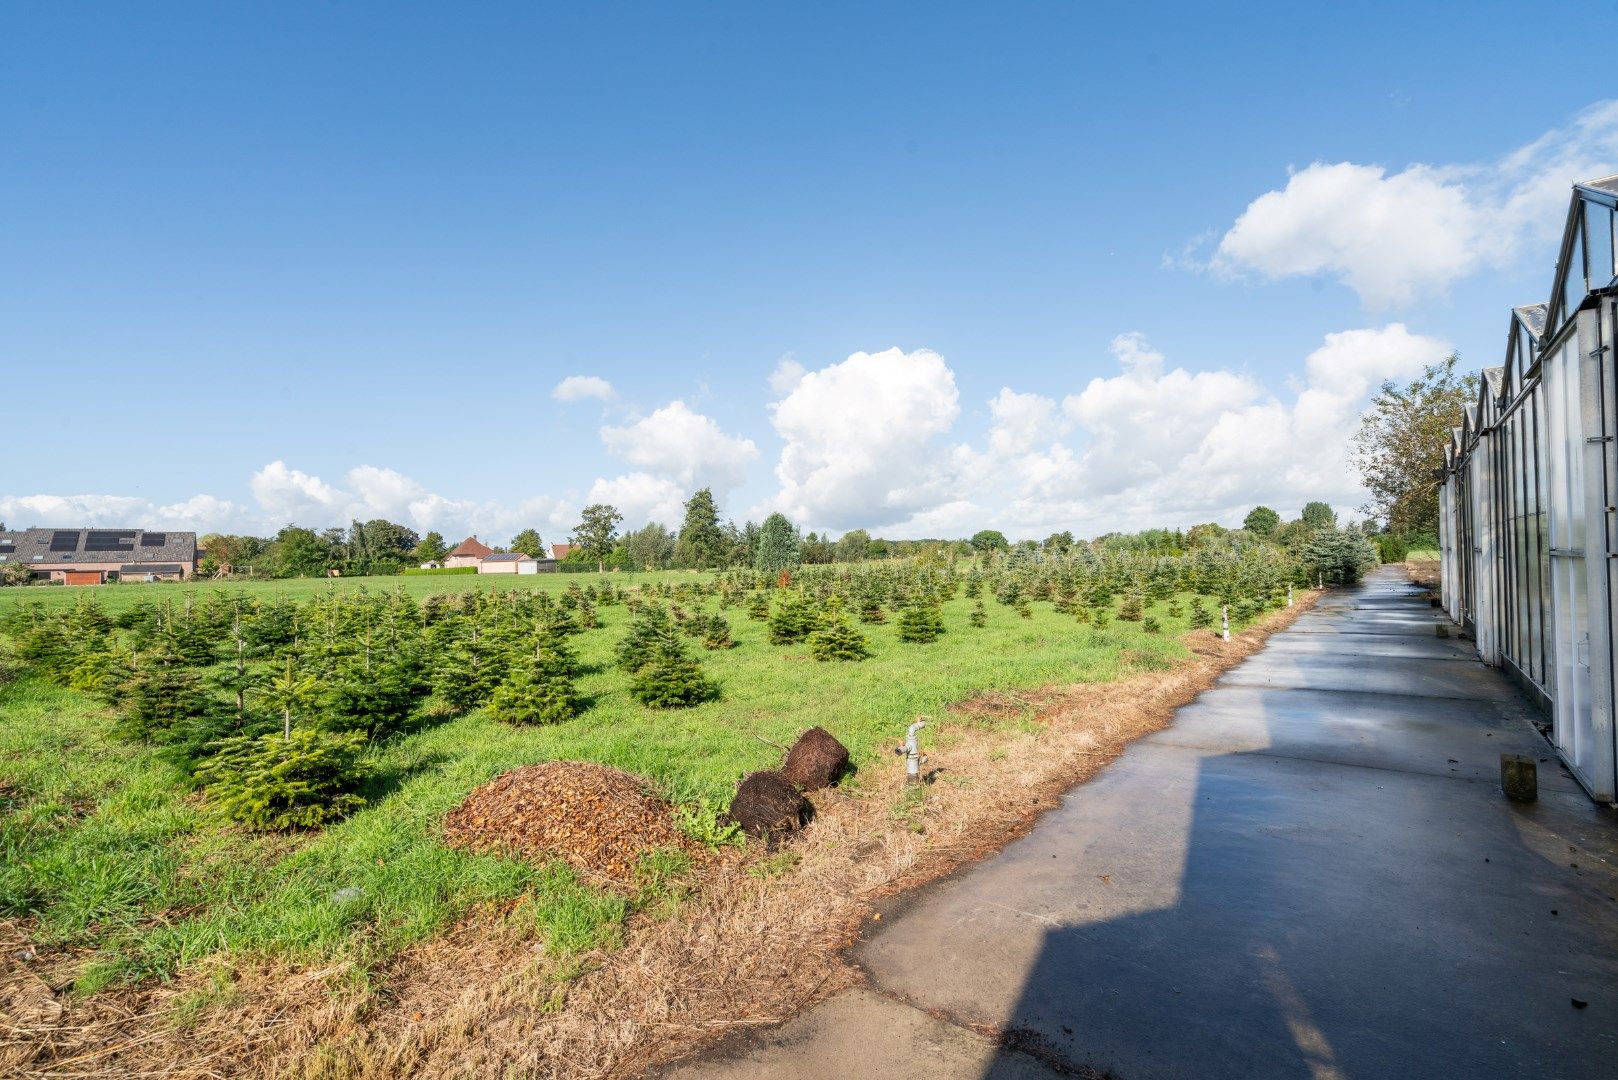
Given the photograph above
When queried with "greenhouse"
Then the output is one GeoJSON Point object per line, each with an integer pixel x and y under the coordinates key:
{"type": "Point", "coordinates": [1528, 521]}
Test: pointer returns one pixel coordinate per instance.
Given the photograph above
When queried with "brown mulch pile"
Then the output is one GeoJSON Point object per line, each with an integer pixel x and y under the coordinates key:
{"type": "Point", "coordinates": [598, 820]}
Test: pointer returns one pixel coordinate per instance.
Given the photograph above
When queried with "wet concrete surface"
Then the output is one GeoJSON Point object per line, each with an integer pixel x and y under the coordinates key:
{"type": "Point", "coordinates": [1311, 873]}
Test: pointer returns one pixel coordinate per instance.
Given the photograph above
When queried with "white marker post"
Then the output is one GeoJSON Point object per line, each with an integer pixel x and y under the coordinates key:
{"type": "Point", "coordinates": [1289, 596]}
{"type": "Point", "coordinates": [1224, 618]}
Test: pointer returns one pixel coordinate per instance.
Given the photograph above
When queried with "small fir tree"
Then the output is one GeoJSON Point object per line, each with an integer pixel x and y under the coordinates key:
{"type": "Point", "coordinates": [671, 678]}
{"type": "Point", "coordinates": [634, 651]}
{"type": "Point", "coordinates": [714, 632]}
{"type": "Point", "coordinates": [537, 691]}
{"type": "Point", "coordinates": [791, 619]}
{"type": "Point", "coordinates": [921, 622]}
{"type": "Point", "coordinates": [838, 640]}
{"type": "Point", "coordinates": [272, 782]}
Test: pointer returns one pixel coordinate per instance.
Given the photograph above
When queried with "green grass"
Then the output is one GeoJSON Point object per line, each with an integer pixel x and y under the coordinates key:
{"type": "Point", "coordinates": [120, 597]}
{"type": "Point", "coordinates": [107, 847]}
{"type": "Point", "coordinates": [1422, 555]}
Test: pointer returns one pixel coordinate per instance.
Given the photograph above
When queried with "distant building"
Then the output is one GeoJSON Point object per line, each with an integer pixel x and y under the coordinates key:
{"type": "Point", "coordinates": [559, 551]}
{"type": "Point", "coordinates": [97, 556]}
{"type": "Point", "coordinates": [515, 563]}
{"type": "Point", "coordinates": [468, 552]}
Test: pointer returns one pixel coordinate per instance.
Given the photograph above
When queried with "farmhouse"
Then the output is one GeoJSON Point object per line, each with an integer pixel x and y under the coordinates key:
{"type": "Point", "coordinates": [96, 556]}
{"type": "Point", "coordinates": [559, 551]}
{"type": "Point", "coordinates": [468, 552]}
{"type": "Point", "coordinates": [515, 563]}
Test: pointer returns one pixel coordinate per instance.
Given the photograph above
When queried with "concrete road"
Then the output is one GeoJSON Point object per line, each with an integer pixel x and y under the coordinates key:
{"type": "Point", "coordinates": [1312, 873]}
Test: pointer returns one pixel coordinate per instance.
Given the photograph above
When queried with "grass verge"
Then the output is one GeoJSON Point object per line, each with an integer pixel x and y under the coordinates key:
{"type": "Point", "coordinates": [441, 962]}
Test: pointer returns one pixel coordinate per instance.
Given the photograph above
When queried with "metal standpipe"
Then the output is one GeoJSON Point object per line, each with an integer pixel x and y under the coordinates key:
{"type": "Point", "coordinates": [1224, 621]}
{"type": "Point", "coordinates": [914, 758]}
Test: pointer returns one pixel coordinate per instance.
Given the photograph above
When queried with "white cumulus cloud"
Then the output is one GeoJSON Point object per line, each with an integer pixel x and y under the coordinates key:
{"type": "Point", "coordinates": [1397, 236]}
{"type": "Point", "coordinates": [682, 445]}
{"type": "Point", "coordinates": [581, 387]}
{"type": "Point", "coordinates": [1151, 444]}
{"type": "Point", "coordinates": [641, 497]}
{"type": "Point", "coordinates": [861, 438]}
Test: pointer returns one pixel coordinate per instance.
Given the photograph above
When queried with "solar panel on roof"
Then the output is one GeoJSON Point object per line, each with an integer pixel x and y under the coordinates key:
{"type": "Point", "coordinates": [64, 541]}
{"type": "Point", "coordinates": [153, 539]}
{"type": "Point", "coordinates": [109, 541]}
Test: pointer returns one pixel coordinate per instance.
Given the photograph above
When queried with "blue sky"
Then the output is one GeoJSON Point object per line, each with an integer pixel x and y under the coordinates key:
{"type": "Point", "coordinates": [248, 250]}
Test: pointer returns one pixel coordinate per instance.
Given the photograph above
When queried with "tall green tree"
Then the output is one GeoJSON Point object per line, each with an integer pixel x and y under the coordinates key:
{"type": "Point", "coordinates": [1399, 447]}
{"type": "Point", "coordinates": [1261, 521]}
{"type": "Point", "coordinates": [299, 552]}
{"type": "Point", "coordinates": [596, 531]}
{"type": "Point", "coordinates": [777, 547]}
{"type": "Point", "coordinates": [702, 542]}
{"type": "Point", "coordinates": [1317, 516]}
{"type": "Point", "coordinates": [816, 550]}
{"type": "Point", "coordinates": [989, 540]}
{"type": "Point", "coordinates": [852, 545]}
{"type": "Point", "coordinates": [432, 548]}
{"type": "Point", "coordinates": [650, 547]}
{"type": "Point", "coordinates": [529, 543]}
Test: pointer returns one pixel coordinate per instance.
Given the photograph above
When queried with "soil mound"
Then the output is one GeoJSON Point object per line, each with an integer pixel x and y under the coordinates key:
{"type": "Point", "coordinates": [597, 819]}
{"type": "Point", "coordinates": [816, 760]}
{"type": "Point", "coordinates": [767, 804]}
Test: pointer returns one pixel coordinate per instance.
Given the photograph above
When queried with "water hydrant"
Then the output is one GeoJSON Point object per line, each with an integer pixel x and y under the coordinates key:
{"type": "Point", "coordinates": [914, 758]}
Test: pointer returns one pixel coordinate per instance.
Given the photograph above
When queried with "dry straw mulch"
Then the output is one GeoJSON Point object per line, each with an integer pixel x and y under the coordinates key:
{"type": "Point", "coordinates": [599, 820]}
{"type": "Point", "coordinates": [1424, 572]}
{"type": "Point", "coordinates": [759, 938]}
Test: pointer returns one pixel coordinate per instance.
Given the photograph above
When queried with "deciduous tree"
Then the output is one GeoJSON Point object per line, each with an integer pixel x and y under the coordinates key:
{"type": "Point", "coordinates": [989, 540]}
{"type": "Point", "coordinates": [1317, 516]}
{"type": "Point", "coordinates": [1399, 447]}
{"type": "Point", "coordinates": [596, 532]}
{"type": "Point", "coordinates": [529, 543]}
{"type": "Point", "coordinates": [432, 548]}
{"type": "Point", "coordinates": [1261, 521]}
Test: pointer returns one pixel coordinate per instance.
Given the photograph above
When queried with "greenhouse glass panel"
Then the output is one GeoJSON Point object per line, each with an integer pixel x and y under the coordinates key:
{"type": "Point", "coordinates": [1567, 617]}
{"type": "Point", "coordinates": [1573, 289]}
{"type": "Point", "coordinates": [1599, 244]}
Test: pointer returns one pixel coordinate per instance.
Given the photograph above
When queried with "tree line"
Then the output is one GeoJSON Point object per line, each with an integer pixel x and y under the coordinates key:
{"type": "Point", "coordinates": [703, 542]}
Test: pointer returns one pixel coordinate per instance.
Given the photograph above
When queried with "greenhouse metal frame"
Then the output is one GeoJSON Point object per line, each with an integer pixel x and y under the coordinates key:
{"type": "Point", "coordinates": [1528, 504]}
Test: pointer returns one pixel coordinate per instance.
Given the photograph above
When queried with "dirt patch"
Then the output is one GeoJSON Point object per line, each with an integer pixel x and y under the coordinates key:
{"type": "Point", "coordinates": [760, 937]}
{"type": "Point", "coordinates": [597, 819]}
{"type": "Point", "coordinates": [1423, 572]}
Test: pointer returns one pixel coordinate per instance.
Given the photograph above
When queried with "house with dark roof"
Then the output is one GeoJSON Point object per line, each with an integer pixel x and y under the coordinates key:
{"type": "Point", "coordinates": [468, 552]}
{"type": "Point", "coordinates": [97, 556]}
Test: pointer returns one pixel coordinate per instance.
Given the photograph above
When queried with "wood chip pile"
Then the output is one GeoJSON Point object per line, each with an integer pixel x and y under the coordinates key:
{"type": "Point", "coordinates": [597, 819]}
